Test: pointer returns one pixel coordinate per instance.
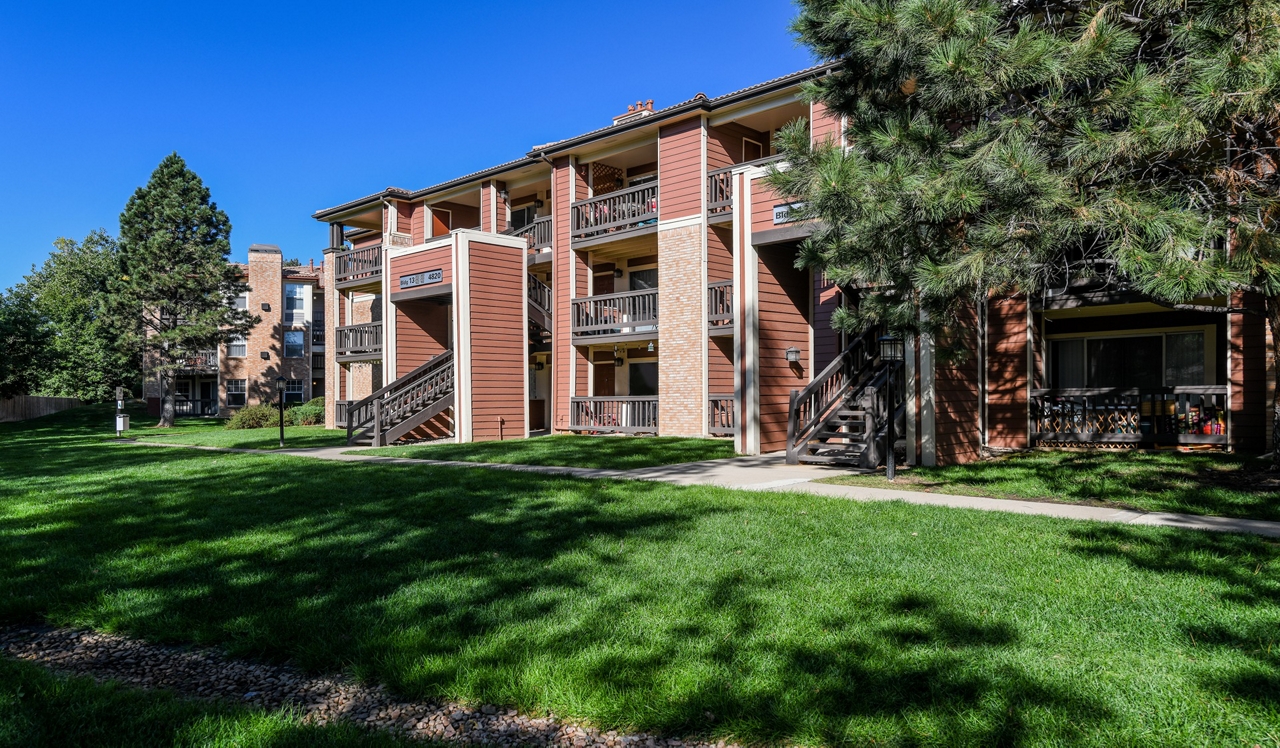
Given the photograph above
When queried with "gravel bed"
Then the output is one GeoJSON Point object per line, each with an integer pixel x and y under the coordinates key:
{"type": "Point", "coordinates": [208, 674]}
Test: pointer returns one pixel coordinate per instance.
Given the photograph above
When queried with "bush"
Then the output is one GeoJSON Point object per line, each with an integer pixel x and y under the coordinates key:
{"type": "Point", "coordinates": [317, 402]}
{"type": "Point", "coordinates": [256, 417]}
{"type": "Point", "coordinates": [305, 415]}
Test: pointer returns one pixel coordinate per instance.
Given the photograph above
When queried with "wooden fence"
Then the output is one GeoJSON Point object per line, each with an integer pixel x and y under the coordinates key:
{"type": "Point", "coordinates": [23, 407]}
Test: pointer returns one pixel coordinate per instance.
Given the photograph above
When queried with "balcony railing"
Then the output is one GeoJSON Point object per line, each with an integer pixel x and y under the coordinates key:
{"type": "Point", "coordinates": [1166, 415]}
{"type": "Point", "coordinates": [200, 361]}
{"type": "Point", "coordinates": [195, 407]}
{"type": "Point", "coordinates": [604, 415]}
{"type": "Point", "coordinates": [720, 306]}
{"type": "Point", "coordinates": [358, 264]}
{"type": "Point", "coordinates": [359, 340]}
{"type": "Point", "coordinates": [616, 212]}
{"type": "Point", "coordinates": [720, 191]}
{"type": "Point", "coordinates": [720, 416]}
{"type": "Point", "coordinates": [538, 233]}
{"type": "Point", "coordinates": [340, 413]}
{"type": "Point", "coordinates": [540, 294]}
{"type": "Point", "coordinates": [624, 313]}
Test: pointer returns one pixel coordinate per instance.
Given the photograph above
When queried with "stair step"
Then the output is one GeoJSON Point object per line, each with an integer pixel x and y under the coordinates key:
{"type": "Point", "coordinates": [834, 448]}
{"type": "Point", "coordinates": [830, 459]}
{"type": "Point", "coordinates": [850, 414]}
{"type": "Point", "coordinates": [826, 434]}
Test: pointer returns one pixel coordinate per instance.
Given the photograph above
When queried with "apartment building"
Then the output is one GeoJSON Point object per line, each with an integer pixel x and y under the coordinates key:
{"type": "Point", "coordinates": [641, 278]}
{"type": "Point", "coordinates": [288, 342]}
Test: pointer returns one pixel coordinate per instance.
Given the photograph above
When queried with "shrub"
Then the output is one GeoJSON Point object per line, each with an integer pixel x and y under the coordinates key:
{"type": "Point", "coordinates": [317, 402]}
{"type": "Point", "coordinates": [305, 415]}
{"type": "Point", "coordinates": [255, 417]}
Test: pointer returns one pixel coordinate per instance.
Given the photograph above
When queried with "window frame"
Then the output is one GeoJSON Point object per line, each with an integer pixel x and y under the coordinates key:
{"type": "Point", "coordinates": [243, 393]}
{"type": "Point", "coordinates": [238, 340]}
{"type": "Point", "coordinates": [300, 391]}
{"type": "Point", "coordinates": [1211, 353]}
{"type": "Point", "coordinates": [302, 337]}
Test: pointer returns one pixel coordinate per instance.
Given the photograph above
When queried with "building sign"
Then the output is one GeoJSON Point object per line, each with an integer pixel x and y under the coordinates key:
{"type": "Point", "coordinates": [782, 213]}
{"type": "Point", "coordinates": [425, 278]}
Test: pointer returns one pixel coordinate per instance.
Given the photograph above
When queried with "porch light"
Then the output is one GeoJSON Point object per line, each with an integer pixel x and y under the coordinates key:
{"type": "Point", "coordinates": [617, 272]}
{"type": "Point", "coordinates": [892, 349]}
{"type": "Point", "coordinates": [504, 195]}
{"type": "Point", "coordinates": [650, 348]}
{"type": "Point", "coordinates": [618, 361]}
{"type": "Point", "coordinates": [793, 355]}
{"type": "Point", "coordinates": [539, 366]}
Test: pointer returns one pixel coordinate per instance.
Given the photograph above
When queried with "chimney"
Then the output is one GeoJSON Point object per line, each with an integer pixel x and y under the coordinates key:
{"type": "Point", "coordinates": [638, 110]}
{"type": "Point", "coordinates": [311, 265]}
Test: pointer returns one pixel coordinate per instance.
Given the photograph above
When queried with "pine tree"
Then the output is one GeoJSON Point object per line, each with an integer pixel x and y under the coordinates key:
{"type": "Point", "coordinates": [1020, 146]}
{"type": "Point", "coordinates": [173, 294]}
{"type": "Point", "coordinates": [82, 356]}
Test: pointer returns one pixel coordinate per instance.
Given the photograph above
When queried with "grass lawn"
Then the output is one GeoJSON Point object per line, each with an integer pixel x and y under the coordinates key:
{"type": "Point", "coordinates": [39, 710]}
{"type": "Point", "coordinates": [1211, 483]}
{"type": "Point", "coordinates": [687, 610]}
{"type": "Point", "coordinates": [212, 432]}
{"type": "Point", "coordinates": [572, 450]}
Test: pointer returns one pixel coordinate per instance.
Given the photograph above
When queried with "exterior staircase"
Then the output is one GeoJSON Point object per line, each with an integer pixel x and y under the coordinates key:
{"type": "Point", "coordinates": [404, 405]}
{"type": "Point", "coordinates": [851, 412]}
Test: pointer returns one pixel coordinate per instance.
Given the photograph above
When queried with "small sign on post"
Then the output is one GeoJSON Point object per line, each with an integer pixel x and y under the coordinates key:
{"type": "Point", "coordinates": [122, 419]}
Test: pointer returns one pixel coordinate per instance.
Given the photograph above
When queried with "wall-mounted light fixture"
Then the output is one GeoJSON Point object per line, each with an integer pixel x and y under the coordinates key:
{"type": "Point", "coordinates": [618, 361]}
{"type": "Point", "coordinates": [538, 204]}
{"type": "Point", "coordinates": [539, 366]}
{"type": "Point", "coordinates": [650, 348]}
{"type": "Point", "coordinates": [617, 272]}
{"type": "Point", "coordinates": [892, 349]}
{"type": "Point", "coordinates": [504, 195]}
{"type": "Point", "coordinates": [793, 355]}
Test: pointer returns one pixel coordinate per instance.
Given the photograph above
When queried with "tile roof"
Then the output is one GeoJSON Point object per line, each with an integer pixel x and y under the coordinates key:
{"type": "Point", "coordinates": [537, 150]}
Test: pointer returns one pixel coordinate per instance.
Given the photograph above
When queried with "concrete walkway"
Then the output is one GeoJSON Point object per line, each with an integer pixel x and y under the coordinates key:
{"type": "Point", "coordinates": [772, 473]}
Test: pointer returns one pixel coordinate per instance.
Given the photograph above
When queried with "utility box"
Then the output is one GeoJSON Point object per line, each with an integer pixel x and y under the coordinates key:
{"type": "Point", "coordinates": [122, 423]}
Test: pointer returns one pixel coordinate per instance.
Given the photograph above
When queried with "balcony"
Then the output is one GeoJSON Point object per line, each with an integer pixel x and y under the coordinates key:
{"type": "Point", "coordinates": [615, 215]}
{"type": "Point", "coordinates": [614, 415]}
{"type": "Point", "coordinates": [538, 233]}
{"type": "Point", "coordinates": [720, 416]}
{"type": "Point", "coordinates": [356, 267]}
{"type": "Point", "coordinates": [720, 195]}
{"type": "Point", "coordinates": [540, 303]}
{"type": "Point", "coordinates": [359, 342]}
{"type": "Point", "coordinates": [615, 317]}
{"type": "Point", "coordinates": [720, 308]}
{"type": "Point", "coordinates": [193, 408]}
{"type": "Point", "coordinates": [199, 363]}
{"type": "Point", "coordinates": [1165, 415]}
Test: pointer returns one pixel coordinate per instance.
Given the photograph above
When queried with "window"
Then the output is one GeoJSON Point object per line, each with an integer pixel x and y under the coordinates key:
{"type": "Point", "coordinates": [295, 304]}
{"type": "Point", "coordinates": [645, 179]}
{"type": "Point", "coordinates": [235, 392]}
{"type": "Point", "coordinates": [751, 150]}
{"type": "Point", "coordinates": [237, 348]}
{"type": "Point", "coordinates": [521, 217]}
{"type": "Point", "coordinates": [294, 343]}
{"type": "Point", "coordinates": [241, 302]}
{"type": "Point", "coordinates": [643, 379]}
{"type": "Point", "coordinates": [182, 389]}
{"type": "Point", "coordinates": [643, 280]}
{"type": "Point", "coordinates": [1128, 362]}
{"type": "Point", "coordinates": [293, 390]}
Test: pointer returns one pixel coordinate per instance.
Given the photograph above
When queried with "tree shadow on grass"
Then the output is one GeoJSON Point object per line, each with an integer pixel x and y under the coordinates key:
{"type": "Point", "coordinates": [1246, 569]}
{"type": "Point", "coordinates": [610, 453]}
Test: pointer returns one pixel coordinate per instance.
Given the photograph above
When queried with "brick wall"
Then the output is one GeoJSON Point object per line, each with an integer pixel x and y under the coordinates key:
{"type": "Point", "coordinates": [681, 332]}
{"type": "Point", "coordinates": [1007, 372]}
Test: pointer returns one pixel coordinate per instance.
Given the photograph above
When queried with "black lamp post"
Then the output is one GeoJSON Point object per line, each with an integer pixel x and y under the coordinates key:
{"type": "Point", "coordinates": [280, 403]}
{"type": "Point", "coordinates": [892, 350]}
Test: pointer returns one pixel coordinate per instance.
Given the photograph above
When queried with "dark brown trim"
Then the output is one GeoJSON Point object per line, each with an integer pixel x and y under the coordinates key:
{"type": "Point", "coordinates": [792, 233]}
{"type": "Point", "coordinates": [426, 292]}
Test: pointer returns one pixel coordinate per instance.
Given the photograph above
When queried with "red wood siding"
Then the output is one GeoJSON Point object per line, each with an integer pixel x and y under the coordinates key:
{"type": "Point", "coordinates": [680, 180]}
{"type": "Point", "coordinates": [404, 217]}
{"type": "Point", "coordinates": [783, 303]}
{"type": "Point", "coordinates": [1250, 416]}
{"type": "Point", "coordinates": [826, 339]}
{"type": "Point", "coordinates": [499, 353]}
{"type": "Point", "coordinates": [500, 212]}
{"type": "Point", "coordinates": [562, 260]}
{"type": "Point", "coordinates": [422, 332]}
{"type": "Point", "coordinates": [462, 216]}
{"type": "Point", "coordinates": [719, 255]}
{"type": "Point", "coordinates": [417, 224]}
{"type": "Point", "coordinates": [486, 207]}
{"type": "Point", "coordinates": [427, 259]}
{"type": "Point", "coordinates": [724, 144]}
{"type": "Point", "coordinates": [956, 389]}
{"type": "Point", "coordinates": [825, 125]}
{"type": "Point", "coordinates": [1007, 373]}
{"type": "Point", "coordinates": [763, 200]}
{"type": "Point", "coordinates": [720, 365]}
{"type": "Point", "coordinates": [369, 240]}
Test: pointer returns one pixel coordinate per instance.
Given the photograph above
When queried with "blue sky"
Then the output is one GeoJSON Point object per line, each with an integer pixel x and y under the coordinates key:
{"type": "Point", "coordinates": [286, 108]}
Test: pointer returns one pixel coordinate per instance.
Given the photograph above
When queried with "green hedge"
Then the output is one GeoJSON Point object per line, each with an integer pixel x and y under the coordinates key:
{"type": "Point", "coordinates": [268, 416]}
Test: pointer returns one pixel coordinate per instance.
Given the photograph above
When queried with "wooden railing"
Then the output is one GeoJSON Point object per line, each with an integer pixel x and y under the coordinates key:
{"type": "Point", "coordinates": [540, 294]}
{"type": "Point", "coordinates": [813, 405]}
{"type": "Point", "coordinates": [200, 361]}
{"type": "Point", "coordinates": [625, 415]}
{"type": "Point", "coordinates": [538, 233]}
{"type": "Point", "coordinates": [1165, 415]}
{"type": "Point", "coordinates": [623, 210]}
{"type": "Point", "coordinates": [358, 339]}
{"type": "Point", "coordinates": [340, 413]}
{"type": "Point", "coordinates": [720, 416]}
{"type": "Point", "coordinates": [615, 313]}
{"type": "Point", "coordinates": [720, 191]}
{"type": "Point", "coordinates": [720, 304]}
{"type": "Point", "coordinates": [411, 394]}
{"type": "Point", "coordinates": [195, 407]}
{"type": "Point", "coordinates": [357, 264]}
